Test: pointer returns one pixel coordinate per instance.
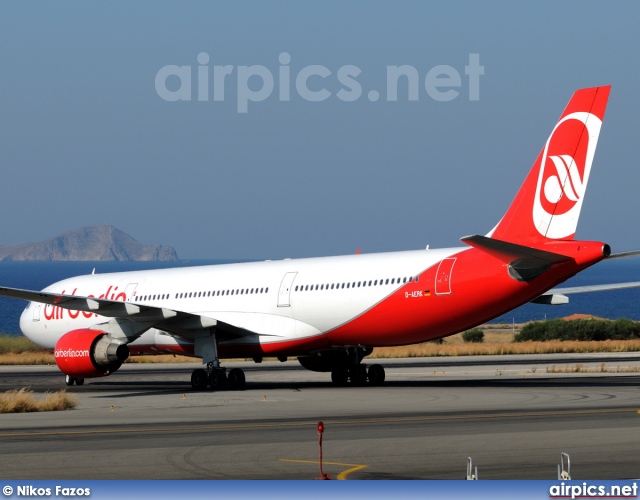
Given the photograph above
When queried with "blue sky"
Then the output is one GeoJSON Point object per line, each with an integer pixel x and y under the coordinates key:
{"type": "Point", "coordinates": [86, 139]}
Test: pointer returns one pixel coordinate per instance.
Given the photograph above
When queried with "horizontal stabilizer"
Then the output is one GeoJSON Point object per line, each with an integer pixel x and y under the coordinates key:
{"type": "Point", "coordinates": [525, 263]}
{"type": "Point", "coordinates": [593, 288]}
{"type": "Point", "coordinates": [510, 251]}
{"type": "Point", "coordinates": [623, 254]}
{"type": "Point", "coordinates": [557, 296]}
{"type": "Point", "coordinates": [553, 299]}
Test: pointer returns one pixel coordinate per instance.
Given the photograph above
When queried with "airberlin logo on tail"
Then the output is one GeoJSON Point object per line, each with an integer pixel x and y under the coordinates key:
{"type": "Point", "coordinates": [573, 188]}
{"type": "Point", "coordinates": [564, 173]}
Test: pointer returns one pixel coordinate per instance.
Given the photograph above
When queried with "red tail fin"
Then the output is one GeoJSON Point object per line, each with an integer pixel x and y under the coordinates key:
{"type": "Point", "coordinates": [549, 202]}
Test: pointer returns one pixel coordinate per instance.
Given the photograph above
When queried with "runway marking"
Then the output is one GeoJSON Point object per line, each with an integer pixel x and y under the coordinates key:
{"type": "Point", "coordinates": [342, 476]}
{"type": "Point", "coordinates": [312, 423]}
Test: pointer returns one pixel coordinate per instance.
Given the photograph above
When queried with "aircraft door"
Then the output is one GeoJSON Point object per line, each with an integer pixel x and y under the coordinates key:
{"type": "Point", "coordinates": [36, 311]}
{"type": "Point", "coordinates": [130, 291]}
{"type": "Point", "coordinates": [284, 295]}
{"type": "Point", "coordinates": [443, 276]}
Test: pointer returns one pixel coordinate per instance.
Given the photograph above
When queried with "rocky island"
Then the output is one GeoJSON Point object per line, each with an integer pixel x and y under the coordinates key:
{"type": "Point", "coordinates": [93, 243]}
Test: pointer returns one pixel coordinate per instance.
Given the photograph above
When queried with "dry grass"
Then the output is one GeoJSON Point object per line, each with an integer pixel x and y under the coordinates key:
{"type": "Point", "coordinates": [27, 358]}
{"type": "Point", "coordinates": [23, 401]}
{"type": "Point", "coordinates": [13, 344]}
{"type": "Point", "coordinates": [549, 347]}
{"type": "Point", "coordinates": [19, 350]}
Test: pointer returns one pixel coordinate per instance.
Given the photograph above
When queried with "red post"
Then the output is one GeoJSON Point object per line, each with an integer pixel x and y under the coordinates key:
{"type": "Point", "coordinates": [320, 431]}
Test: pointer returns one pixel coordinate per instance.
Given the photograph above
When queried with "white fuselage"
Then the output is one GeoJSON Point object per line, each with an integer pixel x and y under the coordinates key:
{"type": "Point", "coordinates": [281, 301]}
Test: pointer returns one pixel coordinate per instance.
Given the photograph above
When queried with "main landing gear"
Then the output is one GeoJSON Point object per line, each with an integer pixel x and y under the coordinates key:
{"type": "Point", "coordinates": [345, 365]}
{"type": "Point", "coordinates": [214, 376]}
{"type": "Point", "coordinates": [217, 378]}
{"type": "Point", "coordinates": [358, 374]}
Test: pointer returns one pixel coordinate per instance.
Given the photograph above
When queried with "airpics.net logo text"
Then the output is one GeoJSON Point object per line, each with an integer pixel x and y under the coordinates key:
{"type": "Point", "coordinates": [314, 83]}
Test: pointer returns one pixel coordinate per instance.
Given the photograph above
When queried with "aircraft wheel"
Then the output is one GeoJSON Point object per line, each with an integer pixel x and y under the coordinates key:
{"type": "Point", "coordinates": [199, 379]}
{"type": "Point", "coordinates": [376, 375]}
{"type": "Point", "coordinates": [79, 381]}
{"type": "Point", "coordinates": [217, 380]}
{"type": "Point", "coordinates": [69, 380]}
{"type": "Point", "coordinates": [340, 377]}
{"type": "Point", "coordinates": [358, 375]}
{"type": "Point", "coordinates": [236, 379]}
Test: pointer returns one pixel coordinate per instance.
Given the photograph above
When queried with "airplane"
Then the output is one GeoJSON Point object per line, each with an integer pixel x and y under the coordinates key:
{"type": "Point", "coordinates": [331, 312]}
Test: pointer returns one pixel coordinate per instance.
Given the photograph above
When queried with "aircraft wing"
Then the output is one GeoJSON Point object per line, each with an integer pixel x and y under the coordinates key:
{"type": "Point", "coordinates": [133, 319]}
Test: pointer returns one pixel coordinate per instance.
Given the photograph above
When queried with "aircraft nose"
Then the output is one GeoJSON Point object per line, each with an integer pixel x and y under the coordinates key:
{"type": "Point", "coordinates": [30, 324]}
{"type": "Point", "coordinates": [24, 318]}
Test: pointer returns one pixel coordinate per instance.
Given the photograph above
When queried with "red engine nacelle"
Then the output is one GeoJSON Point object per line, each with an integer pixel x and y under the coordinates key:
{"type": "Point", "coordinates": [89, 353]}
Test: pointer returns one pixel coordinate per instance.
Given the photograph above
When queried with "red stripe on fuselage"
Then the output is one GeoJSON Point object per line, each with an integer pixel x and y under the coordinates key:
{"type": "Point", "coordinates": [481, 289]}
{"type": "Point", "coordinates": [296, 347]}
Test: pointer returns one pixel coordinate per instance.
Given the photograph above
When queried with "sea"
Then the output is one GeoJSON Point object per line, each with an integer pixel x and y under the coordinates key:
{"type": "Point", "coordinates": [611, 304]}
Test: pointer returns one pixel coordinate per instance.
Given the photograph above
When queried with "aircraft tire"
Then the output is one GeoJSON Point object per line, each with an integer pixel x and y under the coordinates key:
{"type": "Point", "coordinates": [199, 379]}
{"type": "Point", "coordinates": [79, 381]}
{"type": "Point", "coordinates": [340, 377]}
{"type": "Point", "coordinates": [376, 374]}
{"type": "Point", "coordinates": [236, 379]}
{"type": "Point", "coordinates": [217, 380]}
{"type": "Point", "coordinates": [358, 375]}
{"type": "Point", "coordinates": [69, 380]}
